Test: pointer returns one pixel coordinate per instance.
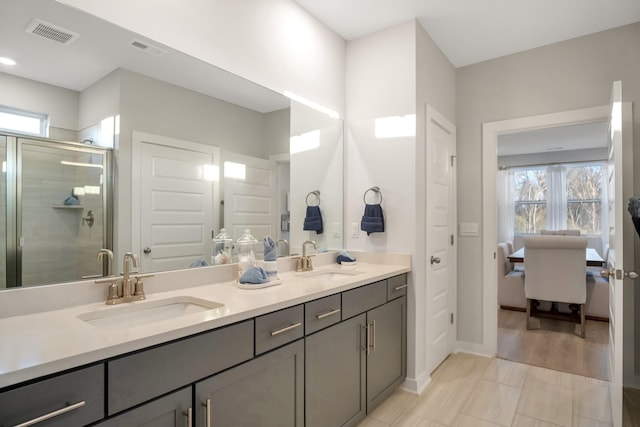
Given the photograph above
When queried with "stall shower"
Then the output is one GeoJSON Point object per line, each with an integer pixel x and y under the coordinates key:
{"type": "Point", "coordinates": [55, 198]}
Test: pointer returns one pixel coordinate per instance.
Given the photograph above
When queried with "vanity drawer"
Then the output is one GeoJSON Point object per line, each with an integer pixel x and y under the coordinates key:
{"type": "Point", "coordinates": [83, 389]}
{"type": "Point", "coordinates": [321, 313]}
{"type": "Point", "coordinates": [364, 298]}
{"type": "Point", "coordinates": [141, 376]}
{"type": "Point", "coordinates": [278, 328]}
{"type": "Point", "coordinates": [396, 286]}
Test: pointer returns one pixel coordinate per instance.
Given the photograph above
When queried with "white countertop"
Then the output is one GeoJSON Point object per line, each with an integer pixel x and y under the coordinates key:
{"type": "Point", "coordinates": [37, 344]}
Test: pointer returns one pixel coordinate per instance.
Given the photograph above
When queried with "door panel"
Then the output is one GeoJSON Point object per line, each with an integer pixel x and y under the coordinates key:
{"type": "Point", "coordinates": [250, 202]}
{"type": "Point", "coordinates": [176, 207]}
{"type": "Point", "coordinates": [440, 252]}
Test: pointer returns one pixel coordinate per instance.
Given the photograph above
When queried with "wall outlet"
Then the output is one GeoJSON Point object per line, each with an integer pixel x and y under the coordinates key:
{"type": "Point", "coordinates": [336, 229]}
{"type": "Point", "coordinates": [355, 230]}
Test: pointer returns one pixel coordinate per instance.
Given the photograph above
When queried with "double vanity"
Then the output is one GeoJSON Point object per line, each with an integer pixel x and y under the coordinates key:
{"type": "Point", "coordinates": [323, 348]}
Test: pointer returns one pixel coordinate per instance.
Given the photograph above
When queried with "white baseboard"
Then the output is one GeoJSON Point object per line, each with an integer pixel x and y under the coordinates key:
{"type": "Point", "coordinates": [472, 348]}
{"type": "Point", "coordinates": [416, 385]}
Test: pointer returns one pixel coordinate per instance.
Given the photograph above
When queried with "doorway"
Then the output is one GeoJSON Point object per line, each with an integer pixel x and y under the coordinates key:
{"type": "Point", "coordinates": [532, 163]}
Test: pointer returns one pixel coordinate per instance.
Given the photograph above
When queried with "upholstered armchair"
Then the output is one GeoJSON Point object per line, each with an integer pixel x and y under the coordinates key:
{"type": "Point", "coordinates": [556, 271]}
{"type": "Point", "coordinates": [510, 282]}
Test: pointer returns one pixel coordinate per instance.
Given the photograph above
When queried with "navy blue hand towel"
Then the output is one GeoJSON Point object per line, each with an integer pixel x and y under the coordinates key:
{"type": "Point", "coordinates": [313, 220]}
{"type": "Point", "coordinates": [372, 220]}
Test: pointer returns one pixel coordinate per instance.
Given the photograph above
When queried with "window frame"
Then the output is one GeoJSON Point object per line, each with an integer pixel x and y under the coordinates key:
{"type": "Point", "coordinates": [42, 118]}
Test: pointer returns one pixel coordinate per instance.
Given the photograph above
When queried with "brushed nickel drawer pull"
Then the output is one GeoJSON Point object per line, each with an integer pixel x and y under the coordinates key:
{"type": "Point", "coordinates": [327, 314]}
{"type": "Point", "coordinates": [286, 329]}
{"type": "Point", "coordinates": [189, 415]}
{"type": "Point", "coordinates": [52, 414]}
{"type": "Point", "coordinates": [207, 415]}
{"type": "Point", "coordinates": [399, 288]}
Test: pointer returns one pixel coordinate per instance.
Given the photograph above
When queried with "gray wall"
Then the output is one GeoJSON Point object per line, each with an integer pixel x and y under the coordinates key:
{"type": "Point", "coordinates": [564, 76]}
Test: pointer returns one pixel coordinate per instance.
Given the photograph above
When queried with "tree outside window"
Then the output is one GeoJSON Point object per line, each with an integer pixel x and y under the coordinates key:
{"type": "Point", "coordinates": [583, 196]}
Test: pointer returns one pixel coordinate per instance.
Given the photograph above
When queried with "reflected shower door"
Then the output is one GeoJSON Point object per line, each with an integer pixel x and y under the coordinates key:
{"type": "Point", "coordinates": [3, 211]}
{"type": "Point", "coordinates": [61, 211]}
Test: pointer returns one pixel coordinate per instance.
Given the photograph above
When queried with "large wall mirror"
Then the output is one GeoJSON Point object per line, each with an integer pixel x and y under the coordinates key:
{"type": "Point", "coordinates": [195, 148]}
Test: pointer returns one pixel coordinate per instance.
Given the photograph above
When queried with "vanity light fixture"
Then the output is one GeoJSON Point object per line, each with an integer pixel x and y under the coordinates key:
{"type": "Point", "coordinates": [7, 61]}
{"type": "Point", "coordinates": [395, 126]}
{"type": "Point", "coordinates": [311, 104]}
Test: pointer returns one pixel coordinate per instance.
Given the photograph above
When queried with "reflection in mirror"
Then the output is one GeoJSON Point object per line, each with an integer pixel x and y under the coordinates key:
{"type": "Point", "coordinates": [103, 88]}
{"type": "Point", "coordinates": [317, 166]}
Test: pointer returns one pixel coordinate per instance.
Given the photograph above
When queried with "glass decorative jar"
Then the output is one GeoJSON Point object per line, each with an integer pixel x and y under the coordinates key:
{"type": "Point", "coordinates": [222, 246]}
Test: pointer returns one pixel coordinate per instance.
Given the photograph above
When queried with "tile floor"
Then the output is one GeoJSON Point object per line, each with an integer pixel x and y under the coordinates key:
{"type": "Point", "coordinates": [468, 390]}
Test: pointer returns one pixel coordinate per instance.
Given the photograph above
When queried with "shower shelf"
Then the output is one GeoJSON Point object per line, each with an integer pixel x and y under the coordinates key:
{"type": "Point", "coordinates": [67, 207]}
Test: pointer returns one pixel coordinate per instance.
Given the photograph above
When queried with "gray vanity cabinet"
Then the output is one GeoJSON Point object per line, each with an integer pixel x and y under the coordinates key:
{"type": "Point", "coordinates": [336, 374]}
{"type": "Point", "coordinates": [173, 410]}
{"type": "Point", "coordinates": [386, 361]}
{"type": "Point", "coordinates": [144, 375]}
{"type": "Point", "coordinates": [265, 391]}
{"type": "Point", "coordinates": [71, 399]}
{"type": "Point", "coordinates": [352, 366]}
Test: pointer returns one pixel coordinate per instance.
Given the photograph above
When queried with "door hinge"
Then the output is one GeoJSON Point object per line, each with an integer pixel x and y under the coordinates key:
{"type": "Point", "coordinates": [452, 240]}
{"type": "Point", "coordinates": [452, 318]}
{"type": "Point", "coordinates": [452, 159]}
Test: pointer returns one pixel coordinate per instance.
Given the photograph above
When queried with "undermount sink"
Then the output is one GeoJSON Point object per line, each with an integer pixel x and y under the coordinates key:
{"type": "Point", "coordinates": [329, 274]}
{"type": "Point", "coordinates": [137, 314]}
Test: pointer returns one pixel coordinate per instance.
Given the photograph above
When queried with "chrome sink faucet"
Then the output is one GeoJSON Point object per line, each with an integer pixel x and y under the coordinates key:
{"type": "Point", "coordinates": [304, 262]}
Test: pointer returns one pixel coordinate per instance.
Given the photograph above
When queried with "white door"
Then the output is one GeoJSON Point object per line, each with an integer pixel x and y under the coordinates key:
{"type": "Point", "coordinates": [176, 207]}
{"type": "Point", "coordinates": [249, 198]}
{"type": "Point", "coordinates": [620, 241]}
{"type": "Point", "coordinates": [440, 245]}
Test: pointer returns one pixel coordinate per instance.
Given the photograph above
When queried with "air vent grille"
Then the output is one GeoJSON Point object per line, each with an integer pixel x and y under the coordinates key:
{"type": "Point", "coordinates": [51, 32]}
{"type": "Point", "coordinates": [149, 48]}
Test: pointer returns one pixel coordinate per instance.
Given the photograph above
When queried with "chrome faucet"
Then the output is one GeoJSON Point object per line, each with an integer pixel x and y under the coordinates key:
{"type": "Point", "coordinates": [123, 288]}
{"type": "Point", "coordinates": [286, 244]}
{"type": "Point", "coordinates": [304, 262]}
{"type": "Point", "coordinates": [109, 255]}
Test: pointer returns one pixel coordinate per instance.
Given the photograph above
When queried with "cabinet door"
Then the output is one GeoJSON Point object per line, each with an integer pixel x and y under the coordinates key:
{"type": "Point", "coordinates": [265, 391]}
{"type": "Point", "coordinates": [335, 374]}
{"type": "Point", "coordinates": [169, 411]}
{"type": "Point", "coordinates": [386, 362]}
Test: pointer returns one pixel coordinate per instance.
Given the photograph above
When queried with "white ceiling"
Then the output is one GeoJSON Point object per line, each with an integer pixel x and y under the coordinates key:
{"type": "Point", "coordinates": [470, 31]}
{"type": "Point", "coordinates": [103, 47]}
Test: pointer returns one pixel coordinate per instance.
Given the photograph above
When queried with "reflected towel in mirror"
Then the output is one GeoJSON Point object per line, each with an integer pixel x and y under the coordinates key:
{"type": "Point", "coordinates": [313, 220]}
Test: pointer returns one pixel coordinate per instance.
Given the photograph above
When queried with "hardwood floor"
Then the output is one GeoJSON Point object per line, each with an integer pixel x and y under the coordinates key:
{"type": "Point", "coordinates": [554, 345]}
{"type": "Point", "coordinates": [474, 391]}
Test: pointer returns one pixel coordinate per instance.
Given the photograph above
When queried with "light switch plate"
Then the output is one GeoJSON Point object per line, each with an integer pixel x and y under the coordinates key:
{"type": "Point", "coordinates": [355, 230]}
{"type": "Point", "coordinates": [336, 229]}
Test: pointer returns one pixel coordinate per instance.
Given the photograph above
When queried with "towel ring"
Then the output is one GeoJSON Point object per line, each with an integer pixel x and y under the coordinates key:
{"type": "Point", "coordinates": [375, 190]}
{"type": "Point", "coordinates": [313, 193]}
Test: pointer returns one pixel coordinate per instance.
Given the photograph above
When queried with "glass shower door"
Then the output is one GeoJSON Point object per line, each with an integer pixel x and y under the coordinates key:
{"type": "Point", "coordinates": [61, 218]}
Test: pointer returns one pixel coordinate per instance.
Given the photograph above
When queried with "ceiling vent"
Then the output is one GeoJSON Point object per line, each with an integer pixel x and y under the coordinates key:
{"type": "Point", "coordinates": [149, 48]}
{"type": "Point", "coordinates": [49, 31]}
